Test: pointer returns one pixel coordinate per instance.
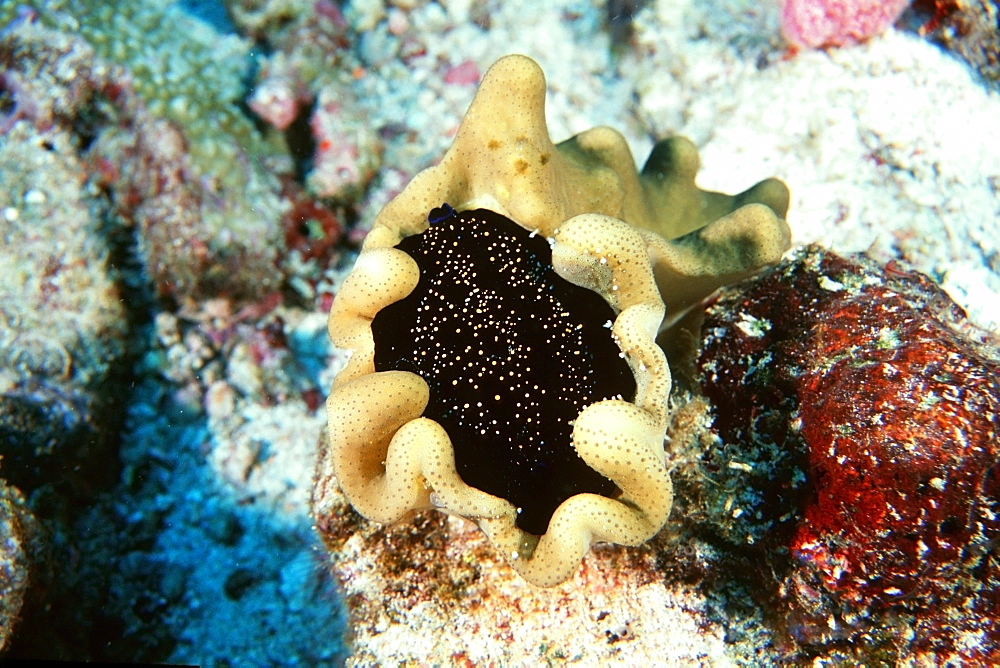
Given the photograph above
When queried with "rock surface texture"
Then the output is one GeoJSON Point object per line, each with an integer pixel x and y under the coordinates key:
{"type": "Point", "coordinates": [863, 414]}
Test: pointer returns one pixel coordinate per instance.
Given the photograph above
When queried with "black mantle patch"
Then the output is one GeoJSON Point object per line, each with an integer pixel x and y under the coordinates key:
{"type": "Point", "coordinates": [511, 352]}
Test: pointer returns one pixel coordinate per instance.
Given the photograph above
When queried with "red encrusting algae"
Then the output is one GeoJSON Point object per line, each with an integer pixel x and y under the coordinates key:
{"type": "Point", "coordinates": [899, 417]}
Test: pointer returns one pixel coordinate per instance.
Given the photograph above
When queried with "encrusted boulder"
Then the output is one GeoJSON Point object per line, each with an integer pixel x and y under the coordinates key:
{"type": "Point", "coordinates": [20, 549]}
{"type": "Point", "coordinates": [63, 326]}
{"type": "Point", "coordinates": [858, 417]}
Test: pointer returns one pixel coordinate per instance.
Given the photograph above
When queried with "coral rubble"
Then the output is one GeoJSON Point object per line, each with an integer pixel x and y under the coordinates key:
{"type": "Point", "coordinates": [307, 80]}
{"type": "Point", "coordinates": [612, 230]}
{"type": "Point", "coordinates": [348, 151]}
{"type": "Point", "coordinates": [102, 197]}
{"type": "Point", "coordinates": [967, 28]}
{"type": "Point", "coordinates": [434, 590]}
{"type": "Point", "coordinates": [859, 417]}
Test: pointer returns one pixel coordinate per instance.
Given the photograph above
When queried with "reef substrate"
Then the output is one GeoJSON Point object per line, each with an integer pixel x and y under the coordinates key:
{"type": "Point", "coordinates": [858, 415]}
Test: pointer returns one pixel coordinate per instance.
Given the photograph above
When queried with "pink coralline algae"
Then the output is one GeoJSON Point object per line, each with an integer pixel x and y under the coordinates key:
{"type": "Point", "coordinates": [305, 44]}
{"type": "Point", "coordinates": [463, 74]}
{"type": "Point", "coordinates": [819, 23]}
{"type": "Point", "coordinates": [872, 381]}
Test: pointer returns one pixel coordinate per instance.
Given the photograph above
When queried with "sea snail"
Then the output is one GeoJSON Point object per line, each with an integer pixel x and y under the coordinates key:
{"type": "Point", "coordinates": [502, 318]}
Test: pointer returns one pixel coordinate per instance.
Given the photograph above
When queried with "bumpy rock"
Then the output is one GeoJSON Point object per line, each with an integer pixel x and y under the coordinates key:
{"type": "Point", "coordinates": [62, 323]}
{"type": "Point", "coordinates": [968, 29]}
{"type": "Point", "coordinates": [859, 417]}
{"type": "Point", "coordinates": [207, 217]}
{"type": "Point", "coordinates": [434, 587]}
{"type": "Point", "coordinates": [20, 541]}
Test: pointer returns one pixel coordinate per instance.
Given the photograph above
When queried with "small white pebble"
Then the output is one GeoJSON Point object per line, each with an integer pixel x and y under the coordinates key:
{"type": "Point", "coordinates": [752, 326]}
{"type": "Point", "coordinates": [10, 214]}
{"type": "Point", "coordinates": [828, 283]}
{"type": "Point", "coordinates": [178, 105]}
{"type": "Point", "coordinates": [398, 22]}
{"type": "Point", "coordinates": [34, 197]}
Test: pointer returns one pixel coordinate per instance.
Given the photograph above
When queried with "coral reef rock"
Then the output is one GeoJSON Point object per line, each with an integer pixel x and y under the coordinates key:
{"type": "Point", "coordinates": [649, 245]}
{"type": "Point", "coordinates": [63, 326]}
{"type": "Point", "coordinates": [20, 545]}
{"type": "Point", "coordinates": [348, 150]}
{"type": "Point", "coordinates": [308, 78]}
{"type": "Point", "coordinates": [205, 210]}
{"type": "Point", "coordinates": [859, 418]}
{"type": "Point", "coordinates": [968, 29]}
{"type": "Point", "coordinates": [434, 590]}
